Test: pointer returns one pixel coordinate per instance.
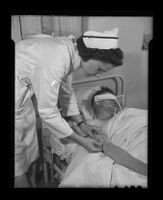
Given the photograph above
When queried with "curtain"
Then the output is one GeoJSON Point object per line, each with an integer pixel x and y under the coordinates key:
{"type": "Point", "coordinates": [62, 26]}
{"type": "Point", "coordinates": [148, 32]}
{"type": "Point", "coordinates": [30, 25]}
{"type": "Point", "coordinates": [15, 29]}
{"type": "Point", "coordinates": [25, 25]}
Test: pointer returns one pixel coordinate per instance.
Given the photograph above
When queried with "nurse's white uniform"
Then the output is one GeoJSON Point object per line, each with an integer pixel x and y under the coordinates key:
{"type": "Point", "coordinates": [43, 66]}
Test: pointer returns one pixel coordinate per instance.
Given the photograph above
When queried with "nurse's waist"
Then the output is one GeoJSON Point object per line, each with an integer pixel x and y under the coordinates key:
{"type": "Point", "coordinates": [22, 70]}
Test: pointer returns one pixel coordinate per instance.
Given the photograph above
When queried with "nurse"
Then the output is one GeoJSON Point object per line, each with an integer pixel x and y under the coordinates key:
{"type": "Point", "coordinates": [44, 66]}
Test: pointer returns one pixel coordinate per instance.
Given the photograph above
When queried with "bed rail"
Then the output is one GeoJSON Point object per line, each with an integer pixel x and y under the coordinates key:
{"type": "Point", "coordinates": [117, 78]}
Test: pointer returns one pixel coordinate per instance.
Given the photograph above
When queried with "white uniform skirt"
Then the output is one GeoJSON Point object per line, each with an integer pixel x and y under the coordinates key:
{"type": "Point", "coordinates": [26, 141]}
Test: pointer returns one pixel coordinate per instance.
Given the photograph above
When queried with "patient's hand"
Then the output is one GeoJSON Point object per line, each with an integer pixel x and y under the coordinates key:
{"type": "Point", "coordinates": [88, 129]}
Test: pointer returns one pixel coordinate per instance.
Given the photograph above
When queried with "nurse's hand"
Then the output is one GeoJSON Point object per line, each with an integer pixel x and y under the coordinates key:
{"type": "Point", "coordinates": [89, 129]}
{"type": "Point", "coordinates": [77, 130]}
{"type": "Point", "coordinates": [92, 145]}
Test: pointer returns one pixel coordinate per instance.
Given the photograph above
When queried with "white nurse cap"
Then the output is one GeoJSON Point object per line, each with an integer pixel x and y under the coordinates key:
{"type": "Point", "coordinates": [105, 40]}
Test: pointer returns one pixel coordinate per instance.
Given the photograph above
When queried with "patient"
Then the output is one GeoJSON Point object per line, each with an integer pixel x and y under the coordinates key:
{"type": "Point", "coordinates": [104, 106]}
{"type": "Point", "coordinates": [124, 145]}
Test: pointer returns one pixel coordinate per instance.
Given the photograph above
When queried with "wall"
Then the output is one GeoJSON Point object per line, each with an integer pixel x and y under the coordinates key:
{"type": "Point", "coordinates": [135, 67]}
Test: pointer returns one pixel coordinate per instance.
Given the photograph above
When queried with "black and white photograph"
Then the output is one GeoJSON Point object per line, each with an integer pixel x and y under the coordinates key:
{"type": "Point", "coordinates": [81, 100]}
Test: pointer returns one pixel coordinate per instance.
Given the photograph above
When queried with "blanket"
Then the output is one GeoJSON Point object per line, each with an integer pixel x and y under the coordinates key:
{"type": "Point", "coordinates": [128, 130]}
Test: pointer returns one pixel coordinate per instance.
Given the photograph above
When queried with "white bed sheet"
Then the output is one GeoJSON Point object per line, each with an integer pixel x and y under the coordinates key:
{"type": "Point", "coordinates": [127, 130]}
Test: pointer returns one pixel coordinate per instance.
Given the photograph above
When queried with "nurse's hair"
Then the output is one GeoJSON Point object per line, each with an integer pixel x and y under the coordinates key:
{"type": "Point", "coordinates": [102, 90]}
{"type": "Point", "coordinates": [112, 56]}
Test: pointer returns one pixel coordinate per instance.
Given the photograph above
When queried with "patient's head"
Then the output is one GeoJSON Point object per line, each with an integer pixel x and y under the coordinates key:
{"type": "Point", "coordinates": [105, 103]}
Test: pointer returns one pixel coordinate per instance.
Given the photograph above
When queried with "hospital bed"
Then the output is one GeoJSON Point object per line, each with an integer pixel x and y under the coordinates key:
{"type": "Point", "coordinates": [51, 162]}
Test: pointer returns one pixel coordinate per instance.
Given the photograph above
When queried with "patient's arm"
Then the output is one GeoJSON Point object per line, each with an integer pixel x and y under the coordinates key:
{"type": "Point", "coordinates": [124, 158]}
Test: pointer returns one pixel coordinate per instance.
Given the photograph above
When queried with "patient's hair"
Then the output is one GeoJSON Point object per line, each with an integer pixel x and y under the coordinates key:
{"type": "Point", "coordinates": [103, 90]}
{"type": "Point", "coordinates": [112, 56]}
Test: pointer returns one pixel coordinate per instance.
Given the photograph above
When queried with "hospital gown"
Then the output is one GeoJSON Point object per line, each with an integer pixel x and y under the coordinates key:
{"type": "Point", "coordinates": [44, 66]}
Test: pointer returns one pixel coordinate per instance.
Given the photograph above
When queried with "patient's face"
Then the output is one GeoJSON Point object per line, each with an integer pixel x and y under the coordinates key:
{"type": "Point", "coordinates": [105, 109]}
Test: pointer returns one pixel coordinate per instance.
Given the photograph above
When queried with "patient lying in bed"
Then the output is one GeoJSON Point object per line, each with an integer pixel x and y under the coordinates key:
{"type": "Point", "coordinates": [123, 161]}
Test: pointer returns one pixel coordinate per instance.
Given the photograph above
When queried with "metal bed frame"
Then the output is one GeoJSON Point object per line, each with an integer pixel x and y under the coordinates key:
{"type": "Point", "coordinates": [117, 79]}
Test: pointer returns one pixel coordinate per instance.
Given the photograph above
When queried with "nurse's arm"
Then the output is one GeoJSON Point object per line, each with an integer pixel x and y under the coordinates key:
{"type": "Point", "coordinates": [67, 100]}
{"type": "Point", "coordinates": [124, 158]}
{"type": "Point", "coordinates": [77, 129]}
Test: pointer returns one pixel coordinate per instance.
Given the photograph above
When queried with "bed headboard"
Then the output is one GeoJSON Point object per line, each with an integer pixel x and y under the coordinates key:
{"type": "Point", "coordinates": [115, 82]}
